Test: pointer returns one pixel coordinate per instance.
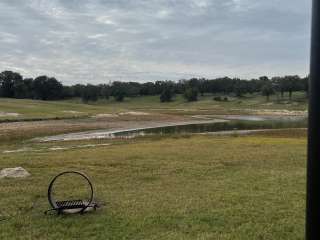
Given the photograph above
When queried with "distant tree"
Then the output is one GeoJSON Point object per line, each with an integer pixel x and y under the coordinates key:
{"type": "Point", "coordinates": [78, 90]}
{"type": "Point", "coordinates": [264, 79]}
{"type": "Point", "coordinates": [7, 82]}
{"type": "Point", "coordinates": [20, 89]}
{"type": "Point", "coordinates": [40, 88]}
{"type": "Point", "coordinates": [148, 89]}
{"type": "Point", "coordinates": [119, 91]}
{"type": "Point", "coordinates": [180, 86]}
{"type": "Point", "coordinates": [67, 92]}
{"type": "Point", "coordinates": [46, 88]}
{"type": "Point", "coordinates": [28, 83]}
{"type": "Point", "coordinates": [291, 84]}
{"type": "Point", "coordinates": [159, 87]}
{"type": "Point", "coordinates": [13, 85]}
{"type": "Point", "coordinates": [105, 91]}
{"type": "Point", "coordinates": [267, 90]}
{"type": "Point", "coordinates": [191, 94]}
{"type": "Point", "coordinates": [90, 93]}
{"type": "Point", "coordinates": [239, 87]}
{"type": "Point", "coordinates": [193, 83]}
{"type": "Point", "coordinates": [132, 89]}
{"type": "Point", "coordinates": [55, 89]}
{"type": "Point", "coordinates": [203, 86]}
{"type": "Point", "coordinates": [278, 85]}
{"type": "Point", "coordinates": [167, 93]}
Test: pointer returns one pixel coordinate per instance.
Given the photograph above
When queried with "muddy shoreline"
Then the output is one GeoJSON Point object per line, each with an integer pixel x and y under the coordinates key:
{"type": "Point", "coordinates": [103, 125]}
{"type": "Point", "coordinates": [134, 129]}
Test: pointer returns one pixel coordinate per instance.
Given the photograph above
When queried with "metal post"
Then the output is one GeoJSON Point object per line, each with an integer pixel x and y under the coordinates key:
{"type": "Point", "coordinates": [313, 169]}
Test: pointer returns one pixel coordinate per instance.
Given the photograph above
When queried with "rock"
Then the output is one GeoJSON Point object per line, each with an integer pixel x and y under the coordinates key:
{"type": "Point", "coordinates": [17, 172]}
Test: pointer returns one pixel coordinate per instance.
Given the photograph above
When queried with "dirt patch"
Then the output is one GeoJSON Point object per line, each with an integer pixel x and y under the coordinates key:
{"type": "Point", "coordinates": [56, 148]}
{"type": "Point", "coordinates": [16, 150]}
{"type": "Point", "coordinates": [105, 115]}
{"type": "Point", "coordinates": [230, 117]}
{"type": "Point", "coordinates": [17, 172]}
{"type": "Point", "coordinates": [133, 113]}
{"type": "Point", "coordinates": [275, 112]}
{"type": "Point", "coordinates": [72, 112]}
{"type": "Point", "coordinates": [9, 114]}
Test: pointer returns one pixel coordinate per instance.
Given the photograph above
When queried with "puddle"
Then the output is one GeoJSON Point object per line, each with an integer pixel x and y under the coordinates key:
{"type": "Point", "coordinates": [244, 132]}
{"type": "Point", "coordinates": [119, 133]}
{"type": "Point", "coordinates": [253, 117]}
{"type": "Point", "coordinates": [232, 117]}
{"type": "Point", "coordinates": [228, 123]}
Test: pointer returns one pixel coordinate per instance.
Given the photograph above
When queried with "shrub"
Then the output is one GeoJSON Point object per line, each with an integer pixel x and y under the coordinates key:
{"type": "Point", "coordinates": [218, 98]}
{"type": "Point", "coordinates": [166, 95]}
{"type": "Point", "coordinates": [191, 94]}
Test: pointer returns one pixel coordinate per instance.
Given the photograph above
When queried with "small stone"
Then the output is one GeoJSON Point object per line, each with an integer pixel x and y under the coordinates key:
{"type": "Point", "coordinates": [17, 172]}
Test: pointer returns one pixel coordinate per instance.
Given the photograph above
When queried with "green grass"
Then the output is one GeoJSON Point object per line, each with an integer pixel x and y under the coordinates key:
{"type": "Point", "coordinates": [179, 187]}
{"type": "Point", "coordinates": [35, 109]}
{"type": "Point", "coordinates": [32, 109]}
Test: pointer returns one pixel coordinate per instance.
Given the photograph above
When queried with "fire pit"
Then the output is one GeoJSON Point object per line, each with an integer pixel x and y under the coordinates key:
{"type": "Point", "coordinates": [62, 189]}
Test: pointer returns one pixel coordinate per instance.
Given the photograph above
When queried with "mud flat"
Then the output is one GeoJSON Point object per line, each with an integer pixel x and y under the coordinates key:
{"type": "Point", "coordinates": [209, 123]}
{"type": "Point", "coordinates": [102, 134]}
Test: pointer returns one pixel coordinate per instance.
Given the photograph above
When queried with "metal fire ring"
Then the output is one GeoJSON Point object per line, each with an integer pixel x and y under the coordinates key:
{"type": "Point", "coordinates": [61, 206]}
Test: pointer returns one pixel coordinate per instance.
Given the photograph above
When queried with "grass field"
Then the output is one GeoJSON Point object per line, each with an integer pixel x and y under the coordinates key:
{"type": "Point", "coordinates": [175, 187]}
{"type": "Point", "coordinates": [74, 108]}
{"type": "Point", "coordinates": [156, 187]}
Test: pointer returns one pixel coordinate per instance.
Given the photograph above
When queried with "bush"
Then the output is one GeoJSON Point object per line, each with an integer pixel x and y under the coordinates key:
{"type": "Point", "coordinates": [166, 95]}
{"type": "Point", "coordinates": [191, 94]}
{"type": "Point", "coordinates": [218, 99]}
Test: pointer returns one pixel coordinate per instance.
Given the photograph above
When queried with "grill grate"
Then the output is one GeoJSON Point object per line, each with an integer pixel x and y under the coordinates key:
{"type": "Point", "coordinates": [71, 204]}
{"type": "Point", "coordinates": [77, 206]}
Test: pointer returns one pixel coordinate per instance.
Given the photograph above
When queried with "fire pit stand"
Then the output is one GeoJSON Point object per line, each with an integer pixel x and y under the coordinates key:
{"type": "Point", "coordinates": [71, 205]}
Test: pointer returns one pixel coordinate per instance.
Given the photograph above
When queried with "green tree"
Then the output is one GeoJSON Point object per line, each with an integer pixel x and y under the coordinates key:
{"type": "Point", "coordinates": [105, 91]}
{"type": "Point", "coordinates": [7, 82]}
{"type": "Point", "coordinates": [119, 91]}
{"type": "Point", "coordinates": [267, 90]}
{"type": "Point", "coordinates": [46, 88]}
{"type": "Point", "coordinates": [20, 89]}
{"type": "Point", "coordinates": [191, 94]}
{"type": "Point", "coordinates": [239, 88]}
{"type": "Point", "coordinates": [90, 93]}
{"type": "Point", "coordinates": [167, 93]}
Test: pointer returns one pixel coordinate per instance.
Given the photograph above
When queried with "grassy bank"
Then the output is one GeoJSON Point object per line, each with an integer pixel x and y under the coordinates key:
{"type": "Point", "coordinates": [187, 187]}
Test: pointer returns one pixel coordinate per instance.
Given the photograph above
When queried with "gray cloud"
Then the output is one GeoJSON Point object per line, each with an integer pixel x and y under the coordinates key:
{"type": "Point", "coordinates": [144, 40]}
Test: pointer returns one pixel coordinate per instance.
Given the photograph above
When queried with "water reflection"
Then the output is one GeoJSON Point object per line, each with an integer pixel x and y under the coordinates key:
{"type": "Point", "coordinates": [184, 128]}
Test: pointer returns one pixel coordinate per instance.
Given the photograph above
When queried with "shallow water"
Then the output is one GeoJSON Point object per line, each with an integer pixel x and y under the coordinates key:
{"type": "Point", "coordinates": [228, 123]}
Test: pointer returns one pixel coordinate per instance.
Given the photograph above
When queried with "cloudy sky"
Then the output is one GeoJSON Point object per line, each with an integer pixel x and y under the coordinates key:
{"type": "Point", "coordinates": [96, 41]}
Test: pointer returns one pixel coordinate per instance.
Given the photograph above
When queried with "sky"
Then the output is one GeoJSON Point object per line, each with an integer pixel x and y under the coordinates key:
{"type": "Point", "coordinates": [98, 41]}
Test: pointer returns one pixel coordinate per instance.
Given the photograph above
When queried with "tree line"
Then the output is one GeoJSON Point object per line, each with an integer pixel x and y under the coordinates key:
{"type": "Point", "coordinates": [13, 85]}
